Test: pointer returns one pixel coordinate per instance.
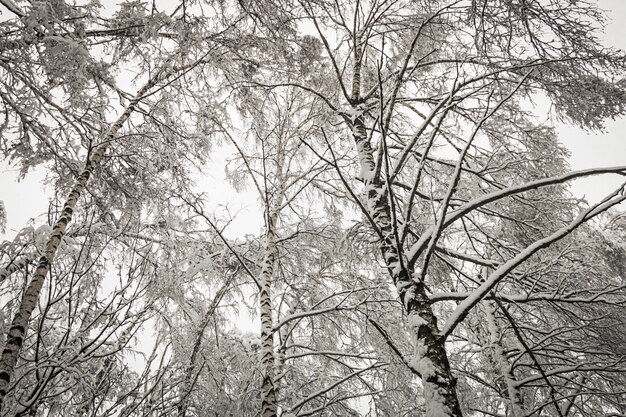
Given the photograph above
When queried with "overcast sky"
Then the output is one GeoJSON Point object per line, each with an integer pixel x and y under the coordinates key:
{"type": "Point", "coordinates": [26, 200]}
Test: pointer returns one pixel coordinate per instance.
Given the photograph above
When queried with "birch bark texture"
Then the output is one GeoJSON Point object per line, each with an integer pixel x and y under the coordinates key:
{"type": "Point", "coordinates": [269, 406]}
{"type": "Point", "coordinates": [273, 205]}
{"type": "Point", "coordinates": [429, 356]}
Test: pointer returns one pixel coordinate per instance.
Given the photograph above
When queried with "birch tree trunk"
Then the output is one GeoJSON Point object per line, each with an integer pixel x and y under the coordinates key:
{"type": "Point", "coordinates": [269, 406]}
{"type": "Point", "coordinates": [19, 325]}
{"type": "Point", "coordinates": [502, 363]}
{"type": "Point", "coordinates": [430, 357]}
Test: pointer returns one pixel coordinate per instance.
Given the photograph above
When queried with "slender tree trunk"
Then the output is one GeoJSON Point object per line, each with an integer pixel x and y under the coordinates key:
{"type": "Point", "coordinates": [187, 384]}
{"type": "Point", "coordinates": [430, 357]}
{"type": "Point", "coordinates": [17, 332]}
{"type": "Point", "coordinates": [502, 363]}
{"type": "Point", "coordinates": [269, 406]}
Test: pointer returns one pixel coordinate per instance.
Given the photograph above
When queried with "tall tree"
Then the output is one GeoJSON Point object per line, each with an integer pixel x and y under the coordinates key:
{"type": "Point", "coordinates": [419, 252]}
{"type": "Point", "coordinates": [465, 69]}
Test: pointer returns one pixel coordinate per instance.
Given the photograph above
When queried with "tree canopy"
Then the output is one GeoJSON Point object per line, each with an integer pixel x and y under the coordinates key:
{"type": "Point", "coordinates": [411, 246]}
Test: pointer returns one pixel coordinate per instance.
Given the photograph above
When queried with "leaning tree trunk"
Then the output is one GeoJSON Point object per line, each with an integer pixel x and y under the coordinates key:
{"type": "Point", "coordinates": [17, 264]}
{"type": "Point", "coordinates": [430, 357]}
{"type": "Point", "coordinates": [188, 378]}
{"type": "Point", "coordinates": [17, 332]}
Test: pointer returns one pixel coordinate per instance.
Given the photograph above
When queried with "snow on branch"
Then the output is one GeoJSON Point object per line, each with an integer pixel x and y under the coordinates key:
{"type": "Point", "coordinates": [468, 303]}
{"type": "Point", "coordinates": [418, 247]}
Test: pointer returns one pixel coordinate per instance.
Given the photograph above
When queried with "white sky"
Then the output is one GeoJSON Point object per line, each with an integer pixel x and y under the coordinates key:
{"type": "Point", "coordinates": [26, 200]}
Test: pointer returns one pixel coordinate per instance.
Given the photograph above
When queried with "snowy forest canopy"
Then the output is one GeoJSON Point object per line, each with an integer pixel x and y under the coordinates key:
{"type": "Point", "coordinates": [415, 249]}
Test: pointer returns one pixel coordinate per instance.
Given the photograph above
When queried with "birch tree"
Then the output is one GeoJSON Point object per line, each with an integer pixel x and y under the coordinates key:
{"type": "Point", "coordinates": [95, 143]}
{"type": "Point", "coordinates": [464, 69]}
{"type": "Point", "coordinates": [420, 252]}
